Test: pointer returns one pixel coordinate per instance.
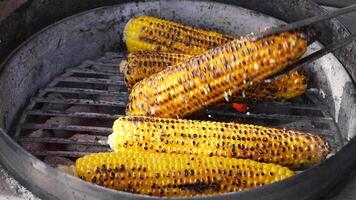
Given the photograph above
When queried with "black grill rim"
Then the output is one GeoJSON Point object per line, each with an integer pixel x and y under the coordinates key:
{"type": "Point", "coordinates": [313, 183]}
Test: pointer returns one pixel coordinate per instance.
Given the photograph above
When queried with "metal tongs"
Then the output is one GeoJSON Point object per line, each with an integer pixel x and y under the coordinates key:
{"type": "Point", "coordinates": [300, 24]}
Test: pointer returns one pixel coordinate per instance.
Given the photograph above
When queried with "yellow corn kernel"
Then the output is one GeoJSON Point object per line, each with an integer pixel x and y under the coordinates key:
{"type": "Point", "coordinates": [149, 33]}
{"type": "Point", "coordinates": [213, 76]}
{"type": "Point", "coordinates": [176, 175]}
{"type": "Point", "coordinates": [289, 148]}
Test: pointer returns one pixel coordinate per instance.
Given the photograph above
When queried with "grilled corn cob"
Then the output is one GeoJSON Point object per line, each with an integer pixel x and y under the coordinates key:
{"type": "Point", "coordinates": [284, 88]}
{"type": "Point", "coordinates": [176, 175]}
{"type": "Point", "coordinates": [149, 33]}
{"type": "Point", "coordinates": [292, 149]}
{"type": "Point", "coordinates": [214, 75]}
{"type": "Point", "coordinates": [142, 64]}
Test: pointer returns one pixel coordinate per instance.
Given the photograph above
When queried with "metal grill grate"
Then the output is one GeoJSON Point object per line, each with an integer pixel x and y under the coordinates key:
{"type": "Point", "coordinates": [74, 114]}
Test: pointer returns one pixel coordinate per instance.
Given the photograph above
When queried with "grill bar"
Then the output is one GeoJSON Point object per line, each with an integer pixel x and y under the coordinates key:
{"type": "Point", "coordinates": [100, 64]}
{"type": "Point", "coordinates": [77, 128]}
{"type": "Point", "coordinates": [69, 154]}
{"type": "Point", "coordinates": [51, 140]}
{"type": "Point", "coordinates": [268, 116]}
{"type": "Point", "coordinates": [91, 80]}
{"type": "Point", "coordinates": [56, 113]}
{"type": "Point", "coordinates": [87, 102]}
{"type": "Point", "coordinates": [110, 54]}
{"type": "Point", "coordinates": [277, 105]}
{"type": "Point", "coordinates": [123, 95]}
{"type": "Point", "coordinates": [94, 71]}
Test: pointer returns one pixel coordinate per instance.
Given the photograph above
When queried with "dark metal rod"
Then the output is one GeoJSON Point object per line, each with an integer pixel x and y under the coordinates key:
{"type": "Point", "coordinates": [302, 23]}
{"type": "Point", "coordinates": [63, 141]}
{"type": "Point", "coordinates": [91, 80]}
{"type": "Point", "coordinates": [57, 113]}
{"type": "Point", "coordinates": [102, 64]}
{"type": "Point", "coordinates": [71, 154]}
{"type": "Point", "coordinates": [86, 102]}
{"type": "Point", "coordinates": [312, 57]}
{"type": "Point", "coordinates": [115, 55]}
{"type": "Point", "coordinates": [268, 116]}
{"type": "Point", "coordinates": [282, 105]}
{"type": "Point", "coordinates": [103, 130]}
{"type": "Point", "coordinates": [123, 95]}
{"type": "Point", "coordinates": [94, 71]}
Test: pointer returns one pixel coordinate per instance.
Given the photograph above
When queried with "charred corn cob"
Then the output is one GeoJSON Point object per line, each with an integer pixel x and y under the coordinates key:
{"type": "Point", "coordinates": [149, 33]}
{"type": "Point", "coordinates": [292, 149]}
{"type": "Point", "coordinates": [176, 175]}
{"type": "Point", "coordinates": [284, 88]}
{"type": "Point", "coordinates": [142, 64]}
{"type": "Point", "coordinates": [214, 75]}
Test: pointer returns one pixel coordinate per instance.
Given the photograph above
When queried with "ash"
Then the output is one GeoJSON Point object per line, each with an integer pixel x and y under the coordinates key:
{"type": "Point", "coordinates": [10, 189]}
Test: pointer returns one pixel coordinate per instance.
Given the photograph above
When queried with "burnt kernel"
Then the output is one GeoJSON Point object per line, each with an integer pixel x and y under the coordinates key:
{"type": "Point", "coordinates": [238, 183]}
{"type": "Point", "coordinates": [103, 168]}
{"type": "Point", "coordinates": [186, 173]}
{"type": "Point", "coordinates": [122, 168]}
{"type": "Point", "coordinates": [229, 173]}
{"type": "Point", "coordinates": [244, 183]}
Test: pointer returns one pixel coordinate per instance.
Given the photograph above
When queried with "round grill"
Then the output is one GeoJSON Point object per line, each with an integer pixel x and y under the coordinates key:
{"type": "Point", "coordinates": [62, 90]}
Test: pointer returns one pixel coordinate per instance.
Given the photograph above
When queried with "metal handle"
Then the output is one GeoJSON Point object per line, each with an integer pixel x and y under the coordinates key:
{"type": "Point", "coordinates": [302, 23]}
{"type": "Point", "coordinates": [312, 57]}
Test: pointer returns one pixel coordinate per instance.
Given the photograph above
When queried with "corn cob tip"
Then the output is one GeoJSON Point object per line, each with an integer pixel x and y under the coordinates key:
{"type": "Point", "coordinates": [127, 25]}
{"type": "Point", "coordinates": [111, 139]}
{"type": "Point", "coordinates": [68, 169]}
{"type": "Point", "coordinates": [310, 34]}
{"type": "Point", "coordinates": [123, 66]}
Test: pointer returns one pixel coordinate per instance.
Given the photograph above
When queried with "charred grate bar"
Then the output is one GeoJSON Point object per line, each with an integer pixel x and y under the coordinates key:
{"type": "Point", "coordinates": [91, 129]}
{"type": "Point", "coordinates": [63, 141]}
{"type": "Point", "coordinates": [56, 113]}
{"type": "Point", "coordinates": [84, 102]}
{"type": "Point", "coordinates": [91, 80]}
{"type": "Point", "coordinates": [81, 112]}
